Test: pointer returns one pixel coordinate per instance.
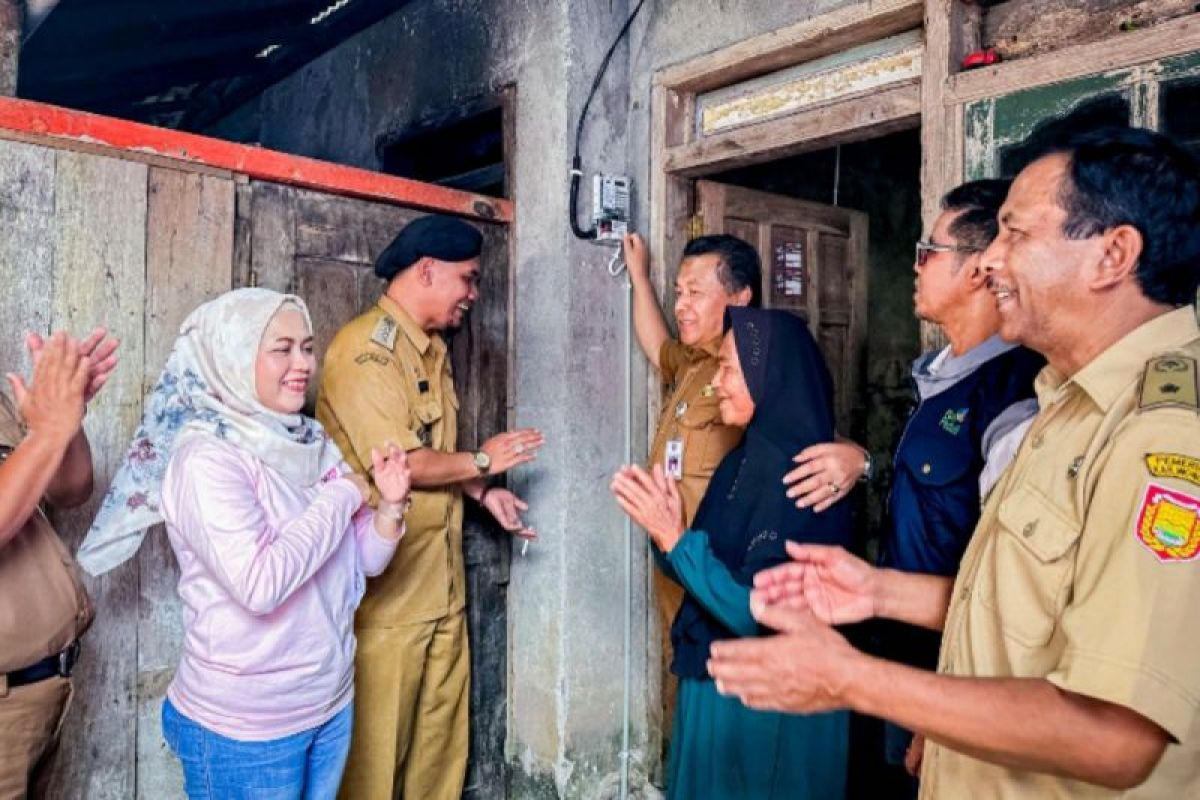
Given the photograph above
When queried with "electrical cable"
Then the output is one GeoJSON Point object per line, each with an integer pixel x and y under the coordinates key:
{"type": "Point", "coordinates": [576, 161]}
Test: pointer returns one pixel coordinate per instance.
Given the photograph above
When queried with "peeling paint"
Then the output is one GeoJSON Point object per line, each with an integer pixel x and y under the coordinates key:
{"type": "Point", "coordinates": [814, 90]}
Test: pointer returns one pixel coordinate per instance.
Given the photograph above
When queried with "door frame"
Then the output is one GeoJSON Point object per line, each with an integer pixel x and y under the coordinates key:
{"type": "Point", "coordinates": [951, 29]}
{"type": "Point", "coordinates": [679, 155]}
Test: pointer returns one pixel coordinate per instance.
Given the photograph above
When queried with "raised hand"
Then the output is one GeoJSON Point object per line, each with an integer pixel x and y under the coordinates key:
{"type": "Point", "coordinates": [636, 256]}
{"type": "Point", "coordinates": [801, 670]}
{"type": "Point", "coordinates": [506, 507]}
{"type": "Point", "coordinates": [512, 448]}
{"type": "Point", "coordinates": [835, 585]}
{"type": "Point", "coordinates": [652, 501]}
{"type": "Point", "coordinates": [98, 347]}
{"type": "Point", "coordinates": [826, 474]}
{"type": "Point", "coordinates": [392, 476]}
{"type": "Point", "coordinates": [53, 404]}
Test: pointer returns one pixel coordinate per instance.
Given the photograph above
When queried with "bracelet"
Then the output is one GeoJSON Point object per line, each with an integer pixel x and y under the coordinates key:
{"type": "Point", "coordinates": [393, 512]}
{"type": "Point", "coordinates": [484, 493]}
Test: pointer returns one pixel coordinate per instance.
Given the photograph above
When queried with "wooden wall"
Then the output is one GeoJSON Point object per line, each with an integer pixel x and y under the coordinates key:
{"type": "Point", "coordinates": [93, 239]}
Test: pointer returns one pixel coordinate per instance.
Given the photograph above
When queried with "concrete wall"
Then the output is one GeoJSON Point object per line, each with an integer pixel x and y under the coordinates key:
{"type": "Point", "coordinates": [566, 620]}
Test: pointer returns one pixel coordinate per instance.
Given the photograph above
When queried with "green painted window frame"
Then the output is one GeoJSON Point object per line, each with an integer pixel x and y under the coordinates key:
{"type": "Point", "coordinates": [993, 123]}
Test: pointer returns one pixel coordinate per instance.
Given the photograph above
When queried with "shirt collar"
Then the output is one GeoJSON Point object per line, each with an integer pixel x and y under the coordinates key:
{"type": "Point", "coordinates": [711, 348]}
{"type": "Point", "coordinates": [412, 331]}
{"type": "Point", "coordinates": [1109, 374]}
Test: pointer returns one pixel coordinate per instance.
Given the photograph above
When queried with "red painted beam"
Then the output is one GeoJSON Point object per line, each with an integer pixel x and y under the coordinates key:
{"type": "Point", "coordinates": [39, 119]}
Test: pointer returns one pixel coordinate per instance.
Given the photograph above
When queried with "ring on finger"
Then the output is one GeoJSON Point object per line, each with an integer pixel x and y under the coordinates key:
{"type": "Point", "coordinates": [518, 448]}
{"type": "Point", "coordinates": [834, 488]}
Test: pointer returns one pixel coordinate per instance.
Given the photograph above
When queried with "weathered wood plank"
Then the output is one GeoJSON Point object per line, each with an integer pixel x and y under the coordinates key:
{"type": "Point", "coordinates": [243, 231]}
{"type": "Point", "coordinates": [99, 279]}
{"type": "Point", "coordinates": [26, 249]}
{"type": "Point", "coordinates": [480, 357]}
{"type": "Point", "coordinates": [893, 109]}
{"type": "Point", "coordinates": [341, 229]}
{"type": "Point", "coordinates": [1121, 50]}
{"type": "Point", "coordinates": [330, 289]}
{"type": "Point", "coordinates": [189, 259]}
{"type": "Point", "coordinates": [273, 239]}
{"type": "Point", "coordinates": [857, 72]}
{"type": "Point", "coordinates": [804, 41]}
{"type": "Point", "coordinates": [951, 29]}
{"type": "Point", "coordinates": [1022, 28]}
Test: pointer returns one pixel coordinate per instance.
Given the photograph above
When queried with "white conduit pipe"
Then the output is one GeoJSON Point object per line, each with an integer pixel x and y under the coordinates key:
{"type": "Point", "coordinates": [627, 690]}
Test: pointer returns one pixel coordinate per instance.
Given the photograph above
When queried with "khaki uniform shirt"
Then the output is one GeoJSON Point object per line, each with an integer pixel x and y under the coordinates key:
{"type": "Point", "coordinates": [691, 416]}
{"type": "Point", "coordinates": [1085, 566]}
{"type": "Point", "coordinates": [386, 379]}
{"type": "Point", "coordinates": [43, 605]}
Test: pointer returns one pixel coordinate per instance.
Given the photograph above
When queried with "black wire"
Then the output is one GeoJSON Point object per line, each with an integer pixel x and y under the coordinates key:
{"type": "Point", "coordinates": [576, 161]}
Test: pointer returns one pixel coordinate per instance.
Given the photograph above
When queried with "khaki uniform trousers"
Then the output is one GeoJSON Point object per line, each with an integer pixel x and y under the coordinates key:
{"type": "Point", "coordinates": [31, 717]}
{"type": "Point", "coordinates": [412, 691]}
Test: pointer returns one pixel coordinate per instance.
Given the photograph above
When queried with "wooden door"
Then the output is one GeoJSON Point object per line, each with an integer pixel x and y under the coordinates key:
{"type": "Point", "coordinates": [323, 247]}
{"type": "Point", "coordinates": [814, 265]}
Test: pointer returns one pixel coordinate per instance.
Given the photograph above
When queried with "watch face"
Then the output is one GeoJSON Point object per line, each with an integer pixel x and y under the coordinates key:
{"type": "Point", "coordinates": [482, 461]}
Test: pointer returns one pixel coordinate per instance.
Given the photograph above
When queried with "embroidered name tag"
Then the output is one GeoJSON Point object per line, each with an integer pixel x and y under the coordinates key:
{"type": "Point", "coordinates": [1173, 465]}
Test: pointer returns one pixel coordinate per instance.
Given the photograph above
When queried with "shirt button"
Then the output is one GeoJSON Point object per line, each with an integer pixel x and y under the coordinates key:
{"type": "Point", "coordinates": [1037, 440]}
{"type": "Point", "coordinates": [926, 469]}
{"type": "Point", "coordinates": [1029, 528]}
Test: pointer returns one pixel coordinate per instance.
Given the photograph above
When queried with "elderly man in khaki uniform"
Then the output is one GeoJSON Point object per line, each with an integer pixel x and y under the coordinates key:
{"type": "Point", "coordinates": [716, 272]}
{"type": "Point", "coordinates": [44, 609]}
{"type": "Point", "coordinates": [387, 377]}
{"type": "Point", "coordinates": [1068, 665]}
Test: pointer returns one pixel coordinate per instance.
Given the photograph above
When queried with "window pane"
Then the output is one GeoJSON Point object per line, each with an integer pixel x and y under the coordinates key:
{"type": "Point", "coordinates": [1179, 117]}
{"type": "Point", "coordinates": [1099, 111]}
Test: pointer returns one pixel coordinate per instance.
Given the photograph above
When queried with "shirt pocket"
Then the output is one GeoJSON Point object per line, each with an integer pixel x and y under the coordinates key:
{"type": "Point", "coordinates": [425, 415]}
{"type": "Point", "coordinates": [701, 429]}
{"type": "Point", "coordinates": [934, 462]}
{"type": "Point", "coordinates": [1027, 581]}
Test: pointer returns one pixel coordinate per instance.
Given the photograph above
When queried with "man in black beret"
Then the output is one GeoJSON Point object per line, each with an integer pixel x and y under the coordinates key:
{"type": "Point", "coordinates": [386, 378]}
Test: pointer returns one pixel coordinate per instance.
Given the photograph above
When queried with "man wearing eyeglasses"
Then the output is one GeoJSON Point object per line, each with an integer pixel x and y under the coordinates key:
{"type": "Point", "coordinates": [974, 400]}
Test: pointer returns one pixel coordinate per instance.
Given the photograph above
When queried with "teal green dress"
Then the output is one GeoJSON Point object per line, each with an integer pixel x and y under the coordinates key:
{"type": "Point", "coordinates": [719, 748]}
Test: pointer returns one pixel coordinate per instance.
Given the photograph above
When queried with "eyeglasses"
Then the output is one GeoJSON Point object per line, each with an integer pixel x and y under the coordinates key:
{"type": "Point", "coordinates": [925, 248]}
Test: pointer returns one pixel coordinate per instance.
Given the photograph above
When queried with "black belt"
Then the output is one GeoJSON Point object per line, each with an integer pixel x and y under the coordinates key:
{"type": "Point", "coordinates": [59, 664]}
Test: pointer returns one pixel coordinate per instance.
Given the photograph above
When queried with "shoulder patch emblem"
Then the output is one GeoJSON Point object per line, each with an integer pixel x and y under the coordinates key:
{"type": "Point", "coordinates": [371, 357]}
{"type": "Point", "coordinates": [1169, 380]}
{"type": "Point", "coordinates": [385, 333]}
{"type": "Point", "coordinates": [1168, 524]}
{"type": "Point", "coordinates": [1174, 465]}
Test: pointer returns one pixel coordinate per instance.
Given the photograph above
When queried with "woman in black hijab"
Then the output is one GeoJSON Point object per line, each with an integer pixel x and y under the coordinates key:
{"type": "Point", "coordinates": [773, 380]}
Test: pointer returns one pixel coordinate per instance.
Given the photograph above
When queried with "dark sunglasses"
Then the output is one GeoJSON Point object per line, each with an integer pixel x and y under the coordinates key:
{"type": "Point", "coordinates": [925, 248]}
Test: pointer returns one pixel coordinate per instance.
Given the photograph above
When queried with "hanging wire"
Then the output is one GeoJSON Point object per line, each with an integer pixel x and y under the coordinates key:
{"type": "Point", "coordinates": [576, 161]}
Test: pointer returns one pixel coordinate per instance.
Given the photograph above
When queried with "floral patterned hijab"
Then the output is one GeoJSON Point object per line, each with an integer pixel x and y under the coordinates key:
{"type": "Point", "coordinates": [206, 387]}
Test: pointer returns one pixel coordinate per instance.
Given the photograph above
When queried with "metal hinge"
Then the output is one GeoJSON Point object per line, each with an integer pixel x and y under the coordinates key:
{"type": "Point", "coordinates": [695, 226]}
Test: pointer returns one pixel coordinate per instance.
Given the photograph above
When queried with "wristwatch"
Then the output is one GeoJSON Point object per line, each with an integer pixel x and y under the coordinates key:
{"type": "Point", "coordinates": [483, 462]}
{"type": "Point", "coordinates": [868, 467]}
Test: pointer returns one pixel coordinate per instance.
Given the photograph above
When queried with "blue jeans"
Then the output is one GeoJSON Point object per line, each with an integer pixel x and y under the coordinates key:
{"type": "Point", "coordinates": [304, 766]}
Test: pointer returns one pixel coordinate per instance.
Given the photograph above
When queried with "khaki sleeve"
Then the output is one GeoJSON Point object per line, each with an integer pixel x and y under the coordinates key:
{"type": "Point", "coordinates": [365, 392]}
{"type": "Point", "coordinates": [672, 357]}
{"type": "Point", "coordinates": [1137, 583]}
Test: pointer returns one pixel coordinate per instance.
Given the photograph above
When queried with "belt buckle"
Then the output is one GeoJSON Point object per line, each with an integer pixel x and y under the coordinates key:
{"type": "Point", "coordinates": [67, 659]}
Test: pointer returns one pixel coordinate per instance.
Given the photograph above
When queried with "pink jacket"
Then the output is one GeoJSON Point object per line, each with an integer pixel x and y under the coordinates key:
{"type": "Point", "coordinates": [270, 576]}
